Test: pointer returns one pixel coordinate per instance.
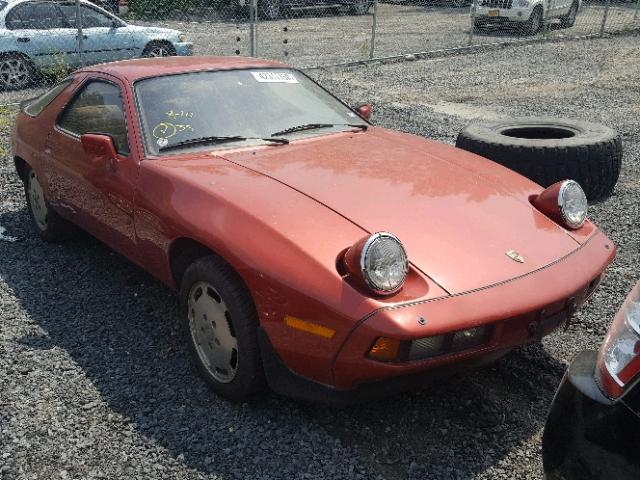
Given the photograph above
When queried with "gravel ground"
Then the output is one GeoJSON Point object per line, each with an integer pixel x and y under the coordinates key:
{"type": "Point", "coordinates": [95, 382]}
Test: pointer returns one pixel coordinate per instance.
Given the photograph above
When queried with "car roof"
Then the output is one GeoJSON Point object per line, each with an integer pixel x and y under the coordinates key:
{"type": "Point", "coordinates": [136, 69]}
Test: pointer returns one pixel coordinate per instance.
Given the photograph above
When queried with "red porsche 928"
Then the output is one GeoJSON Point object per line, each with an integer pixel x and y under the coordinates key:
{"type": "Point", "coordinates": [312, 251]}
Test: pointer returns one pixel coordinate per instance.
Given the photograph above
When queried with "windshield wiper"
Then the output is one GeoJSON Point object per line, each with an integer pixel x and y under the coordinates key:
{"type": "Point", "coordinates": [313, 126]}
{"type": "Point", "coordinates": [219, 139]}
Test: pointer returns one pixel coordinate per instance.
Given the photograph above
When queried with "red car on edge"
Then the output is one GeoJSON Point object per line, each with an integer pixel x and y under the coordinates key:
{"type": "Point", "coordinates": [311, 250]}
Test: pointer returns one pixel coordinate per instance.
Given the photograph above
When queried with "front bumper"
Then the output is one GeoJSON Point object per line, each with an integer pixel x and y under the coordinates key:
{"type": "Point", "coordinates": [519, 311]}
{"type": "Point", "coordinates": [500, 15]}
{"type": "Point", "coordinates": [587, 436]}
{"type": "Point", "coordinates": [183, 49]}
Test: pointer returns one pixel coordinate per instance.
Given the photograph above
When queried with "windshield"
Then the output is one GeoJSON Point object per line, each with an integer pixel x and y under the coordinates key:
{"type": "Point", "coordinates": [249, 105]}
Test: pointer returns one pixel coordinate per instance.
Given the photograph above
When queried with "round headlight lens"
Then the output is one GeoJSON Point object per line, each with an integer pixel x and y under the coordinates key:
{"type": "Point", "coordinates": [384, 263]}
{"type": "Point", "coordinates": [573, 204]}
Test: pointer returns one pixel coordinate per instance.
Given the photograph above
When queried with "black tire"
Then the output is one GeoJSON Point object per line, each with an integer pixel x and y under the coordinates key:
{"type": "Point", "coordinates": [534, 24]}
{"type": "Point", "coordinates": [360, 7]}
{"type": "Point", "coordinates": [269, 10]}
{"type": "Point", "coordinates": [549, 150]}
{"type": "Point", "coordinates": [55, 228]}
{"type": "Point", "coordinates": [243, 322]}
{"type": "Point", "coordinates": [569, 19]}
{"type": "Point", "coordinates": [159, 48]}
{"type": "Point", "coordinates": [16, 72]}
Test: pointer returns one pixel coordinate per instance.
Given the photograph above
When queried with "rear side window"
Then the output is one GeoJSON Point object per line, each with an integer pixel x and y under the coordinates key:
{"type": "Point", "coordinates": [35, 16]}
{"type": "Point", "coordinates": [90, 17]}
{"type": "Point", "coordinates": [98, 108]}
{"type": "Point", "coordinates": [36, 107]}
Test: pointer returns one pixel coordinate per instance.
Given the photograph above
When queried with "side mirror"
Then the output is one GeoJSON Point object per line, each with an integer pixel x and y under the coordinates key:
{"type": "Point", "coordinates": [365, 111]}
{"type": "Point", "coordinates": [98, 147]}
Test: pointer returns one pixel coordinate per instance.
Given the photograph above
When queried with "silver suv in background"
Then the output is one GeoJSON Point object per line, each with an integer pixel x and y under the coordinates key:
{"type": "Point", "coordinates": [528, 15]}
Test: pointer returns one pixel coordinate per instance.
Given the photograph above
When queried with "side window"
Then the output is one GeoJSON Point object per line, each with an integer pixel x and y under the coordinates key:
{"type": "Point", "coordinates": [35, 16]}
{"type": "Point", "coordinates": [97, 108]}
{"type": "Point", "coordinates": [90, 17]}
{"type": "Point", "coordinates": [40, 103]}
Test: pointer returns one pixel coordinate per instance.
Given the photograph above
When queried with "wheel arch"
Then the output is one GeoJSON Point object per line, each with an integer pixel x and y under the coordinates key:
{"type": "Point", "coordinates": [183, 251]}
{"type": "Point", "coordinates": [8, 53]}
{"type": "Point", "coordinates": [25, 55]}
{"type": "Point", "coordinates": [21, 166]}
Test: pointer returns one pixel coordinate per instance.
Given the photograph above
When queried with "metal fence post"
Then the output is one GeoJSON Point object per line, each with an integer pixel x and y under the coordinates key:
{"type": "Point", "coordinates": [604, 17]}
{"type": "Point", "coordinates": [80, 35]}
{"type": "Point", "coordinates": [253, 28]}
{"type": "Point", "coordinates": [474, 7]}
{"type": "Point", "coordinates": [374, 25]}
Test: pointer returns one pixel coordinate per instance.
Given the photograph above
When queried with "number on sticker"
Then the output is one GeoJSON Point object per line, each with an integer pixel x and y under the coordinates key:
{"type": "Point", "coordinates": [274, 77]}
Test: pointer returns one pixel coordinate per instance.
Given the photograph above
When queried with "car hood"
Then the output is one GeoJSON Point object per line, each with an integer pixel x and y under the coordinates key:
{"type": "Point", "coordinates": [456, 213]}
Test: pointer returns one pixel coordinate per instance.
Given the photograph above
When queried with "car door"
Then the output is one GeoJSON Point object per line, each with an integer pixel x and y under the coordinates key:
{"type": "Point", "coordinates": [104, 37]}
{"type": "Point", "coordinates": [41, 31]}
{"type": "Point", "coordinates": [97, 195]}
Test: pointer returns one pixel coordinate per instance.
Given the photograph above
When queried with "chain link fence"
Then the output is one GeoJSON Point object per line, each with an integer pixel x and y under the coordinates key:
{"type": "Point", "coordinates": [42, 40]}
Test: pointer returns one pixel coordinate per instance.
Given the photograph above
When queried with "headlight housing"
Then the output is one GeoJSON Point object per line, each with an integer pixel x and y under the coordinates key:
{"type": "Point", "coordinates": [564, 202]}
{"type": "Point", "coordinates": [619, 358]}
{"type": "Point", "coordinates": [378, 262]}
{"type": "Point", "coordinates": [572, 203]}
{"type": "Point", "coordinates": [182, 37]}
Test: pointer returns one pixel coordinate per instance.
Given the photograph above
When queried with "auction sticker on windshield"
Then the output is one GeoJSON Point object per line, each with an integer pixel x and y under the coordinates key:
{"type": "Point", "coordinates": [274, 77]}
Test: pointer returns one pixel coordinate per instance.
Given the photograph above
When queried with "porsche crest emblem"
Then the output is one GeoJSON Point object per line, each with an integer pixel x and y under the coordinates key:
{"type": "Point", "coordinates": [515, 256]}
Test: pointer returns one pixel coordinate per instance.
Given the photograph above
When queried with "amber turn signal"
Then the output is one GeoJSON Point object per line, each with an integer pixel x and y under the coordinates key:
{"type": "Point", "coordinates": [385, 349]}
{"type": "Point", "coordinates": [309, 327]}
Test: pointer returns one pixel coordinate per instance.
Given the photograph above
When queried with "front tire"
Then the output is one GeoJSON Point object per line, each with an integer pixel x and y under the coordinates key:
{"type": "Point", "coordinates": [360, 7]}
{"type": "Point", "coordinates": [157, 49]}
{"type": "Point", "coordinates": [49, 225]}
{"type": "Point", "coordinates": [220, 323]}
{"type": "Point", "coordinates": [269, 10]}
{"type": "Point", "coordinates": [534, 24]}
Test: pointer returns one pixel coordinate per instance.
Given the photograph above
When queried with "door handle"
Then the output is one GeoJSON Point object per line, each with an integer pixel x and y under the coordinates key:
{"type": "Point", "coordinates": [24, 39]}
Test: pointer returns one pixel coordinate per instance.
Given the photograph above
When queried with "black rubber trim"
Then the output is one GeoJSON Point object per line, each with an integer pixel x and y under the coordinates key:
{"type": "Point", "coordinates": [286, 382]}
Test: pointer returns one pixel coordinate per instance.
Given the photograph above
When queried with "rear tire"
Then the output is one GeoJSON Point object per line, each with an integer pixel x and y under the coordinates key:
{"type": "Point", "coordinates": [569, 20]}
{"type": "Point", "coordinates": [548, 150]}
{"type": "Point", "coordinates": [220, 323]}
{"type": "Point", "coordinates": [49, 225]}
{"type": "Point", "coordinates": [16, 72]}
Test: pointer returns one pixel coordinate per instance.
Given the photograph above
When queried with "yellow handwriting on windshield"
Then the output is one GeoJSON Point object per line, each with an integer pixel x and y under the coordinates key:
{"type": "Point", "coordinates": [168, 129]}
{"type": "Point", "coordinates": [173, 114]}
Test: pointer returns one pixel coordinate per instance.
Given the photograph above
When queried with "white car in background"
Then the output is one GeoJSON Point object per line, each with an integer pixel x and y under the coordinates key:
{"type": "Point", "coordinates": [529, 15]}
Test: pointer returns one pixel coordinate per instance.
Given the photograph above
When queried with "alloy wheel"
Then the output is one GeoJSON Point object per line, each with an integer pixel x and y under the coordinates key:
{"type": "Point", "coordinates": [159, 51]}
{"type": "Point", "coordinates": [14, 72]}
